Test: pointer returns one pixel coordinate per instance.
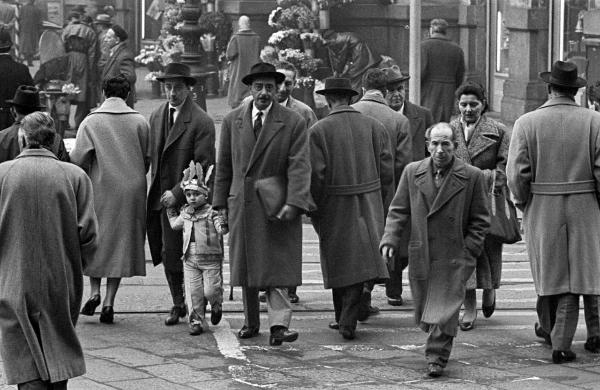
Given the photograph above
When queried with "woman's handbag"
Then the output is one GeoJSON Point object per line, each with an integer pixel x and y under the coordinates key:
{"type": "Point", "coordinates": [504, 226]}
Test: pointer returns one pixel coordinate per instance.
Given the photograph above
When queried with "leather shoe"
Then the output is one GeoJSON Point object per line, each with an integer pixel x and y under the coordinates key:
{"type": "Point", "coordinates": [246, 332]}
{"type": "Point", "coordinates": [334, 325]}
{"type": "Point", "coordinates": [347, 333]}
{"type": "Point", "coordinates": [293, 298]}
{"type": "Point", "coordinates": [592, 344]}
{"type": "Point", "coordinates": [395, 301]}
{"type": "Point", "coordinates": [466, 326]}
{"type": "Point", "coordinates": [196, 329]}
{"type": "Point", "coordinates": [216, 313]}
{"type": "Point", "coordinates": [488, 310]}
{"type": "Point", "coordinates": [107, 315]}
{"type": "Point", "coordinates": [541, 333]}
{"type": "Point", "coordinates": [559, 357]}
{"type": "Point", "coordinates": [177, 312]}
{"type": "Point", "coordinates": [281, 334]}
{"type": "Point", "coordinates": [90, 306]}
{"type": "Point", "coordinates": [434, 370]}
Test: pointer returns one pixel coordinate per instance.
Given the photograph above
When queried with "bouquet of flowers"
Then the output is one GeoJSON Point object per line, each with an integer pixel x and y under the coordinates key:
{"type": "Point", "coordinates": [294, 17]}
{"type": "Point", "coordinates": [311, 37]}
{"type": "Point", "coordinates": [285, 39]}
{"type": "Point", "coordinates": [171, 17]}
{"type": "Point", "coordinates": [305, 64]}
{"type": "Point", "coordinates": [71, 89]}
{"type": "Point", "coordinates": [172, 48]}
{"type": "Point", "coordinates": [151, 56]}
{"type": "Point", "coordinates": [326, 4]}
{"type": "Point", "coordinates": [150, 77]}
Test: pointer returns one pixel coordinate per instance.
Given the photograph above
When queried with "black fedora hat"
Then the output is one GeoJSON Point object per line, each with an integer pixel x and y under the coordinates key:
{"type": "Point", "coordinates": [28, 97]}
{"type": "Point", "coordinates": [563, 74]}
{"type": "Point", "coordinates": [263, 69]}
{"type": "Point", "coordinates": [177, 70]}
{"type": "Point", "coordinates": [337, 85]}
{"type": "Point", "coordinates": [394, 75]}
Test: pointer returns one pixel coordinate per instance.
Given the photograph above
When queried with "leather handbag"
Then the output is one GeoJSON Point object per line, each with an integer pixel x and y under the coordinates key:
{"type": "Point", "coordinates": [504, 226]}
{"type": "Point", "coordinates": [272, 194]}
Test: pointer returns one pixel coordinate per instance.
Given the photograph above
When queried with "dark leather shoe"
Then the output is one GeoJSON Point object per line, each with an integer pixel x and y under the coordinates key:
{"type": "Point", "coordinates": [395, 301]}
{"type": "Point", "coordinates": [488, 310]}
{"type": "Point", "coordinates": [196, 329]}
{"type": "Point", "coordinates": [559, 357]}
{"type": "Point", "coordinates": [347, 333]}
{"type": "Point", "coordinates": [334, 325]}
{"type": "Point", "coordinates": [246, 333]}
{"type": "Point", "coordinates": [592, 344]}
{"type": "Point", "coordinates": [280, 335]}
{"type": "Point", "coordinates": [541, 333]}
{"type": "Point", "coordinates": [177, 312]}
{"type": "Point", "coordinates": [90, 306]}
{"type": "Point", "coordinates": [466, 326]}
{"type": "Point", "coordinates": [216, 313]}
{"type": "Point", "coordinates": [293, 298]}
{"type": "Point", "coordinates": [435, 370]}
{"type": "Point", "coordinates": [107, 315]}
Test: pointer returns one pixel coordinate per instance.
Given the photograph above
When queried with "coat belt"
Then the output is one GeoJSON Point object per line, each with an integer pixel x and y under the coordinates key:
{"type": "Point", "coordinates": [573, 187]}
{"type": "Point", "coordinates": [354, 189]}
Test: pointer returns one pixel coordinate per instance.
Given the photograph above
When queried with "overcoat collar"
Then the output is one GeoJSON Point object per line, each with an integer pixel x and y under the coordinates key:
{"type": "Point", "coordinates": [41, 152]}
{"type": "Point", "coordinates": [452, 185]}
{"type": "Point", "coordinates": [271, 125]}
{"type": "Point", "coordinates": [439, 36]}
{"type": "Point", "coordinates": [484, 136]}
{"type": "Point", "coordinates": [559, 101]}
{"type": "Point", "coordinates": [371, 96]}
{"type": "Point", "coordinates": [117, 49]}
{"type": "Point", "coordinates": [114, 105]}
{"type": "Point", "coordinates": [181, 123]}
{"type": "Point", "coordinates": [341, 109]}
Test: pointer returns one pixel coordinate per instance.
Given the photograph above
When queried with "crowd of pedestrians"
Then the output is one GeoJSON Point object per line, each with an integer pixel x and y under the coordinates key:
{"type": "Point", "coordinates": [386, 185]}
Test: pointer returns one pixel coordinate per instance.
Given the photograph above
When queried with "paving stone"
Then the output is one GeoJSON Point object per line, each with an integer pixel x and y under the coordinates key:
{"type": "Point", "coordinates": [260, 377]}
{"type": "Point", "coordinates": [127, 356]}
{"type": "Point", "coordinates": [203, 361]}
{"type": "Point", "coordinates": [329, 375]}
{"type": "Point", "coordinates": [381, 371]}
{"type": "Point", "coordinates": [84, 383]}
{"type": "Point", "coordinates": [103, 371]}
{"type": "Point", "coordinates": [533, 384]}
{"type": "Point", "coordinates": [228, 384]}
{"type": "Point", "coordinates": [559, 373]}
{"type": "Point", "coordinates": [450, 384]}
{"type": "Point", "coordinates": [180, 373]}
{"type": "Point", "coordinates": [146, 384]}
{"type": "Point", "coordinates": [478, 374]}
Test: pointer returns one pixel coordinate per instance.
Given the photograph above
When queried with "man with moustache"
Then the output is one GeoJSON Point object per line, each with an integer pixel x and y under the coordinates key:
{"type": "Point", "coordinates": [443, 202]}
{"type": "Point", "coordinates": [263, 183]}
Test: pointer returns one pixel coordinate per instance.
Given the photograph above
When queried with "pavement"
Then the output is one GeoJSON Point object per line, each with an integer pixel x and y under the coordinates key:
{"type": "Point", "coordinates": [139, 352]}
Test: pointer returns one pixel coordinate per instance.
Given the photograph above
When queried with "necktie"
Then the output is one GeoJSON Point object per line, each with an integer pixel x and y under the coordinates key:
{"type": "Point", "coordinates": [438, 178]}
{"type": "Point", "coordinates": [257, 124]}
{"type": "Point", "coordinates": [171, 117]}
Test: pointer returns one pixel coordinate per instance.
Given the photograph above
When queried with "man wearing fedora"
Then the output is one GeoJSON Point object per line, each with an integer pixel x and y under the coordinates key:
{"type": "Point", "coordinates": [352, 176]}
{"type": "Point", "coordinates": [263, 184]}
{"type": "Point", "coordinates": [12, 74]}
{"type": "Point", "coordinates": [120, 59]}
{"type": "Point", "coordinates": [553, 171]}
{"type": "Point", "coordinates": [12, 140]}
{"type": "Point", "coordinates": [180, 131]}
{"type": "Point", "coordinates": [420, 119]}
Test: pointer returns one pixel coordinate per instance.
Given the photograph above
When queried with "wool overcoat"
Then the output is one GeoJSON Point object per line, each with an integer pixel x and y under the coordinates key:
{"type": "Point", "coordinates": [263, 253]}
{"type": "Point", "coordinates": [487, 150]}
{"type": "Point", "coordinates": [553, 171]}
{"type": "Point", "coordinates": [397, 126]}
{"type": "Point", "coordinates": [243, 51]}
{"type": "Point", "coordinates": [420, 119]}
{"type": "Point", "coordinates": [352, 176]}
{"type": "Point", "coordinates": [121, 62]}
{"type": "Point", "coordinates": [81, 46]}
{"type": "Point", "coordinates": [448, 227]}
{"type": "Point", "coordinates": [192, 137]}
{"type": "Point", "coordinates": [442, 71]}
{"type": "Point", "coordinates": [113, 148]}
{"type": "Point", "coordinates": [49, 229]}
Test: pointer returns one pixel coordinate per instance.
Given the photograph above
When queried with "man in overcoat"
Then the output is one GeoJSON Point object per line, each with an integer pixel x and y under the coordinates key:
{"type": "Point", "coordinates": [41, 281]}
{"type": "Point", "coordinates": [263, 183]}
{"type": "Point", "coordinates": [352, 176]}
{"type": "Point", "coordinates": [420, 119]}
{"type": "Point", "coordinates": [120, 59]}
{"type": "Point", "coordinates": [30, 24]}
{"type": "Point", "coordinates": [180, 131]}
{"type": "Point", "coordinates": [443, 202]}
{"type": "Point", "coordinates": [242, 51]}
{"type": "Point", "coordinates": [442, 71]}
{"type": "Point", "coordinates": [553, 171]}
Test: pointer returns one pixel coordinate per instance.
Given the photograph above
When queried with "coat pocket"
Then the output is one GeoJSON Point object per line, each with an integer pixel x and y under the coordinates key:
{"type": "Point", "coordinates": [418, 266]}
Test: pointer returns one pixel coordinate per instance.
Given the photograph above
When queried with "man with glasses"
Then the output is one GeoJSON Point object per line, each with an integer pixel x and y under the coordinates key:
{"type": "Point", "coordinates": [262, 185]}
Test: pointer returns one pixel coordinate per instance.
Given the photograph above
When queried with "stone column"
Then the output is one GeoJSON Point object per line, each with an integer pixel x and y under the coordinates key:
{"type": "Point", "coordinates": [472, 38]}
{"type": "Point", "coordinates": [527, 56]}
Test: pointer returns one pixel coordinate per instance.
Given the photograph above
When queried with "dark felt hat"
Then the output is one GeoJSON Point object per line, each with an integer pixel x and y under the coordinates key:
{"type": "Point", "coordinates": [103, 19]}
{"type": "Point", "coordinates": [177, 70]}
{"type": "Point", "coordinates": [5, 40]}
{"type": "Point", "coordinates": [338, 85]}
{"type": "Point", "coordinates": [394, 75]}
{"type": "Point", "coordinates": [119, 32]}
{"type": "Point", "coordinates": [263, 69]}
{"type": "Point", "coordinates": [563, 74]}
{"type": "Point", "coordinates": [28, 97]}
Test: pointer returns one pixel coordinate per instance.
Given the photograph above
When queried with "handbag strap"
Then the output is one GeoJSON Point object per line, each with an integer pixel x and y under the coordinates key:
{"type": "Point", "coordinates": [492, 197]}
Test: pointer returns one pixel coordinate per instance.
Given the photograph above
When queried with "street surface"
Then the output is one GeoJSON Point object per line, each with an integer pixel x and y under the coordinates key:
{"type": "Point", "coordinates": [139, 352]}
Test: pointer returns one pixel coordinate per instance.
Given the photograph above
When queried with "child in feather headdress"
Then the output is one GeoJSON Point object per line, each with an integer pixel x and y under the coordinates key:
{"type": "Point", "coordinates": [202, 257]}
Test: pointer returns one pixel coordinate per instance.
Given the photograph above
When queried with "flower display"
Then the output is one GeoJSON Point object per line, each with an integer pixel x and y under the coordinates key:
{"type": "Point", "coordinates": [285, 39]}
{"type": "Point", "coordinates": [295, 17]}
{"type": "Point", "coordinates": [217, 24]}
{"type": "Point", "coordinates": [71, 89]}
{"type": "Point", "coordinates": [326, 4]}
{"type": "Point", "coordinates": [311, 37]}
{"type": "Point", "coordinates": [150, 77]}
{"type": "Point", "coordinates": [305, 63]}
{"type": "Point", "coordinates": [151, 56]}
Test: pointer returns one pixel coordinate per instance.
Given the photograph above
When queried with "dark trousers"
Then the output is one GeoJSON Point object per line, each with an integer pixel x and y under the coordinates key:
{"type": "Point", "coordinates": [346, 303]}
{"type": "Point", "coordinates": [393, 286]}
{"type": "Point", "coordinates": [438, 346]}
{"type": "Point", "coordinates": [279, 308]}
{"type": "Point", "coordinates": [166, 247]}
{"type": "Point", "coordinates": [42, 385]}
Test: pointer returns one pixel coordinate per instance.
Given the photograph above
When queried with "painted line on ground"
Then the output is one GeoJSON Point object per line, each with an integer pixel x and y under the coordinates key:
{"type": "Point", "coordinates": [227, 343]}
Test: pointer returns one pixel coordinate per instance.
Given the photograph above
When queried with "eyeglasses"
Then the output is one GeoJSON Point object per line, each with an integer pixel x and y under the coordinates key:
{"type": "Point", "coordinates": [259, 87]}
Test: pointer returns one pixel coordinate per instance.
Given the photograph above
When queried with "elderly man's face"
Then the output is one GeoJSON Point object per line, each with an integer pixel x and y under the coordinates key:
{"type": "Point", "coordinates": [263, 91]}
{"type": "Point", "coordinates": [441, 146]}
{"type": "Point", "coordinates": [110, 39]}
{"type": "Point", "coordinates": [396, 94]}
{"type": "Point", "coordinates": [177, 90]}
{"type": "Point", "coordinates": [285, 89]}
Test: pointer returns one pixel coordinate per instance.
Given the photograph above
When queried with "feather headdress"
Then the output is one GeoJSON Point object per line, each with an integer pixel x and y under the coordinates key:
{"type": "Point", "coordinates": [193, 178]}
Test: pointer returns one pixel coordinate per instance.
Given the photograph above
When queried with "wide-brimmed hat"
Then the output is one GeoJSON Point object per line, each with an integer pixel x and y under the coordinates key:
{"type": "Point", "coordinates": [563, 74]}
{"type": "Point", "coordinates": [394, 75]}
{"type": "Point", "coordinates": [263, 69]}
{"type": "Point", "coordinates": [28, 97]}
{"type": "Point", "coordinates": [5, 39]}
{"type": "Point", "coordinates": [177, 70]}
{"type": "Point", "coordinates": [337, 85]}
{"type": "Point", "coordinates": [103, 19]}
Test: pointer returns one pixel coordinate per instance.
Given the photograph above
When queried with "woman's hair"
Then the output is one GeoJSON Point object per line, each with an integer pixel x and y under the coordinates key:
{"type": "Point", "coordinates": [117, 86]}
{"type": "Point", "coordinates": [472, 88]}
{"type": "Point", "coordinates": [38, 128]}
